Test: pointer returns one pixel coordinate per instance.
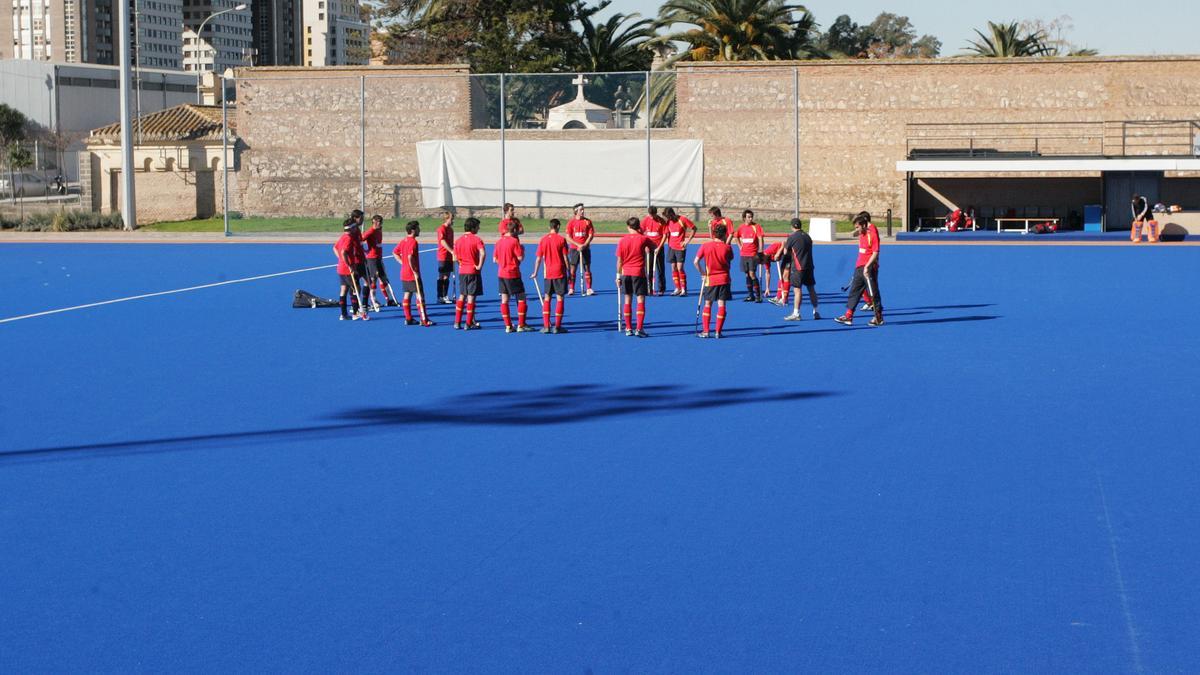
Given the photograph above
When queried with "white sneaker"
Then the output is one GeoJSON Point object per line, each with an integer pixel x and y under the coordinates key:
{"type": "Point", "coordinates": [793, 317]}
{"type": "Point", "coordinates": [866, 307]}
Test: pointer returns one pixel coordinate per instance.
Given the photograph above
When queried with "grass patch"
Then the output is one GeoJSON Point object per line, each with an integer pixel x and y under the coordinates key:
{"type": "Point", "coordinates": [333, 225]}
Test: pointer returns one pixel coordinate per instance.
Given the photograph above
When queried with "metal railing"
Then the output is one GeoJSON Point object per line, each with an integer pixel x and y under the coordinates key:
{"type": "Point", "coordinates": [1122, 138]}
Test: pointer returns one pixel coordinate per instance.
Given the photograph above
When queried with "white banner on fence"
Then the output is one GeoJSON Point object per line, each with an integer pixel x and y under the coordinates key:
{"type": "Point", "coordinates": [561, 173]}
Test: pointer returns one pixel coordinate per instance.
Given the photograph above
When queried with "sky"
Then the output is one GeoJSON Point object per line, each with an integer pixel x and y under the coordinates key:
{"type": "Point", "coordinates": [1154, 27]}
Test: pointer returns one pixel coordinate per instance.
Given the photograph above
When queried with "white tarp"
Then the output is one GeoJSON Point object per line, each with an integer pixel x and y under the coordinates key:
{"type": "Point", "coordinates": [561, 173]}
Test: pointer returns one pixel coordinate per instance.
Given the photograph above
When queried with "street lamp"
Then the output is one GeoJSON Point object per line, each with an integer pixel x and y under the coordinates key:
{"type": "Point", "coordinates": [200, 30]}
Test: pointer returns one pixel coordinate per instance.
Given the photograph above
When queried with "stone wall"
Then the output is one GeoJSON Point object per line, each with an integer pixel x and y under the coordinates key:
{"type": "Point", "coordinates": [302, 134]}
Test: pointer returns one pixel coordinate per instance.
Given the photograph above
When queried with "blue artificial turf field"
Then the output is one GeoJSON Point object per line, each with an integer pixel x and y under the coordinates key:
{"type": "Point", "coordinates": [1002, 479]}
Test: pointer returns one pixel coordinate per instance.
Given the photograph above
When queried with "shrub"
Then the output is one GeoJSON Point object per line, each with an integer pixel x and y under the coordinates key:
{"type": "Point", "coordinates": [63, 221]}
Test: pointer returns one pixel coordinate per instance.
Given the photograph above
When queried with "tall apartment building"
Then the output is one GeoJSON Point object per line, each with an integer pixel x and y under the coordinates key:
{"type": "Point", "coordinates": [224, 42]}
{"type": "Point", "coordinates": [81, 31]}
{"type": "Point", "coordinates": [278, 30]}
{"type": "Point", "coordinates": [335, 34]}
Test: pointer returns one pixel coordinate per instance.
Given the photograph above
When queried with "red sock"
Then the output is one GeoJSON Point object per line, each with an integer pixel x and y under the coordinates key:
{"type": "Point", "coordinates": [522, 310]}
{"type": "Point", "coordinates": [546, 313]}
{"type": "Point", "coordinates": [707, 316]}
{"type": "Point", "coordinates": [628, 315]}
{"type": "Point", "coordinates": [720, 318]}
{"type": "Point", "coordinates": [587, 279]}
{"type": "Point", "coordinates": [675, 278]}
{"type": "Point", "coordinates": [471, 311]}
{"type": "Point", "coordinates": [784, 287]}
{"type": "Point", "coordinates": [641, 314]}
{"type": "Point", "coordinates": [682, 280]}
{"type": "Point", "coordinates": [504, 315]}
{"type": "Point", "coordinates": [558, 313]}
{"type": "Point", "coordinates": [407, 305]}
{"type": "Point", "coordinates": [866, 297]}
{"type": "Point", "coordinates": [421, 307]}
{"type": "Point", "coordinates": [458, 311]}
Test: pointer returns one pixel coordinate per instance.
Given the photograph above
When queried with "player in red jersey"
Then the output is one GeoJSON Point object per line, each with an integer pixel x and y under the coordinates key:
{"type": "Point", "coordinates": [750, 241]}
{"type": "Point", "coordinates": [552, 251]}
{"type": "Point", "coordinates": [873, 234]}
{"type": "Point", "coordinates": [469, 253]}
{"type": "Point", "coordinates": [349, 252]}
{"type": "Point", "coordinates": [445, 256]}
{"type": "Point", "coordinates": [376, 273]}
{"type": "Point", "coordinates": [508, 255]}
{"type": "Point", "coordinates": [631, 274]}
{"type": "Point", "coordinates": [717, 257]}
{"type": "Point", "coordinates": [680, 232]}
{"type": "Point", "coordinates": [510, 217]}
{"type": "Point", "coordinates": [654, 227]}
{"type": "Point", "coordinates": [718, 219]}
{"type": "Point", "coordinates": [580, 232]}
{"type": "Point", "coordinates": [866, 272]}
{"type": "Point", "coordinates": [770, 255]}
{"type": "Point", "coordinates": [409, 258]}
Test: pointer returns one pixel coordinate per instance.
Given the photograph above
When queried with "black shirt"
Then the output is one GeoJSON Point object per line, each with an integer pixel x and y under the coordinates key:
{"type": "Point", "coordinates": [798, 250]}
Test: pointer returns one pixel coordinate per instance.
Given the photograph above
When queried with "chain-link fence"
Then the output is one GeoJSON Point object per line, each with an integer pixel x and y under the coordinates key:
{"type": "Point", "coordinates": [311, 146]}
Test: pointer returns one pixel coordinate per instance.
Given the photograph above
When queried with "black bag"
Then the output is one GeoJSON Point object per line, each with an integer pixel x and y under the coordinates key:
{"type": "Point", "coordinates": [306, 300]}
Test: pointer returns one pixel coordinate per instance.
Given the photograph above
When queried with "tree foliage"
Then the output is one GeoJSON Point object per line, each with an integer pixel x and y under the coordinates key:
{"type": "Point", "coordinates": [618, 44]}
{"type": "Point", "coordinates": [1009, 40]}
{"type": "Point", "coordinates": [888, 36]}
{"type": "Point", "coordinates": [493, 36]}
{"type": "Point", "coordinates": [739, 30]}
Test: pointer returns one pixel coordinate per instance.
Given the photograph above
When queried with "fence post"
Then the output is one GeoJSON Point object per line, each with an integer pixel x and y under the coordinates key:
{"type": "Point", "coordinates": [224, 157]}
{"type": "Point", "coordinates": [796, 122]}
{"type": "Point", "coordinates": [503, 181]}
{"type": "Point", "coordinates": [889, 222]}
{"type": "Point", "coordinates": [649, 178]}
{"type": "Point", "coordinates": [362, 144]}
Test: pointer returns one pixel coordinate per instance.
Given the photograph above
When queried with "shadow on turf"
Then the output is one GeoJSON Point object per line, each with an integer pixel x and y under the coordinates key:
{"type": "Point", "coordinates": [509, 407]}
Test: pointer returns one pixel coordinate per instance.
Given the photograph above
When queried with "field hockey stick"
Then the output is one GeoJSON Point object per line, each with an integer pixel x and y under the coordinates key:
{"type": "Point", "coordinates": [700, 300]}
{"type": "Point", "coordinates": [362, 307]}
{"type": "Point", "coordinates": [538, 288]}
{"type": "Point", "coordinates": [420, 295]}
{"type": "Point", "coordinates": [392, 293]}
{"type": "Point", "coordinates": [620, 302]}
{"type": "Point", "coordinates": [653, 271]}
{"type": "Point", "coordinates": [779, 274]}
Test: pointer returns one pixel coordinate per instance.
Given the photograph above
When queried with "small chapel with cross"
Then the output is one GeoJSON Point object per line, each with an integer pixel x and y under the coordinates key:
{"type": "Point", "coordinates": [579, 113]}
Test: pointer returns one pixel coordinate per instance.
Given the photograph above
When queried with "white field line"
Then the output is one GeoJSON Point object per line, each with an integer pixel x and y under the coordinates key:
{"type": "Point", "coordinates": [159, 293]}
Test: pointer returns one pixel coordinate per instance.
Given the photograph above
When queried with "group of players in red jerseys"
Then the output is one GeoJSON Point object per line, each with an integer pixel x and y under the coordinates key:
{"type": "Point", "coordinates": [643, 253]}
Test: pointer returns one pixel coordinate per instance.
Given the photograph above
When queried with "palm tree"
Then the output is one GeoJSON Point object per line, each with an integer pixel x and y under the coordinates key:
{"type": "Point", "coordinates": [739, 30]}
{"type": "Point", "coordinates": [1006, 40]}
{"type": "Point", "coordinates": [613, 46]}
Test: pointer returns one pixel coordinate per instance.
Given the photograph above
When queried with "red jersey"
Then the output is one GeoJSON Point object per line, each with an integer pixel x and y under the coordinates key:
{"type": "Point", "coordinates": [410, 260]}
{"type": "Point", "coordinates": [580, 229]}
{"type": "Point", "coordinates": [446, 234]}
{"type": "Point", "coordinates": [373, 238]}
{"type": "Point", "coordinates": [712, 226]}
{"type": "Point", "coordinates": [677, 232]}
{"type": "Point", "coordinates": [747, 236]}
{"type": "Point", "coordinates": [503, 229]}
{"type": "Point", "coordinates": [349, 250]}
{"type": "Point", "coordinates": [552, 249]}
{"type": "Point", "coordinates": [653, 228]}
{"type": "Point", "coordinates": [717, 256]}
{"type": "Point", "coordinates": [772, 250]}
{"type": "Point", "coordinates": [468, 249]}
{"type": "Point", "coordinates": [631, 253]}
{"type": "Point", "coordinates": [508, 253]}
{"type": "Point", "coordinates": [868, 243]}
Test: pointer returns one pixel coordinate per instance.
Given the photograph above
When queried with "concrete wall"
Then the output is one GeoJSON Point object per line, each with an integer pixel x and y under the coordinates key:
{"type": "Point", "coordinates": [301, 126]}
{"type": "Point", "coordinates": [171, 182]}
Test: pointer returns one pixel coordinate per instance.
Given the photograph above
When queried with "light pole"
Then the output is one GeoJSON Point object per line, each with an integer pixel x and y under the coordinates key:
{"type": "Point", "coordinates": [200, 30]}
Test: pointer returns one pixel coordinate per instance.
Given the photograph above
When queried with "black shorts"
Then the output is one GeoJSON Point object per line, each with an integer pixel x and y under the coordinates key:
{"type": "Point", "coordinates": [470, 284]}
{"type": "Point", "coordinates": [634, 285]}
{"type": "Point", "coordinates": [573, 257]}
{"type": "Point", "coordinates": [376, 270]}
{"type": "Point", "coordinates": [749, 264]}
{"type": "Point", "coordinates": [715, 293]}
{"type": "Point", "coordinates": [412, 287]}
{"type": "Point", "coordinates": [513, 287]}
{"type": "Point", "coordinates": [677, 256]}
{"type": "Point", "coordinates": [445, 267]}
{"type": "Point", "coordinates": [804, 277]}
{"type": "Point", "coordinates": [556, 286]}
